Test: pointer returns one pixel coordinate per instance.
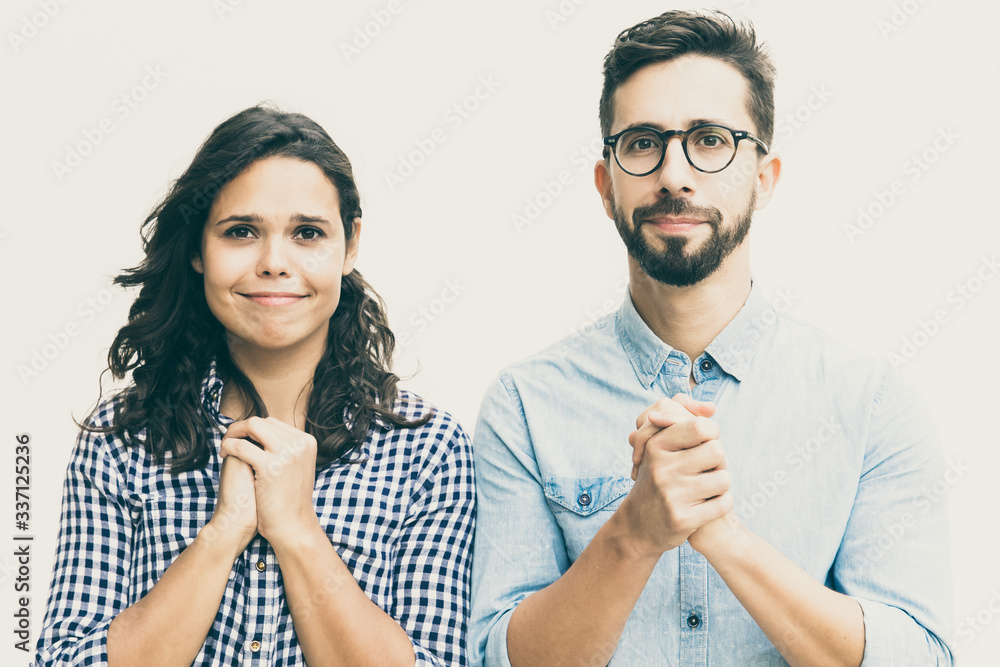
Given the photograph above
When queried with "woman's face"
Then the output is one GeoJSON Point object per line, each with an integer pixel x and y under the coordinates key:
{"type": "Point", "coordinates": [273, 253]}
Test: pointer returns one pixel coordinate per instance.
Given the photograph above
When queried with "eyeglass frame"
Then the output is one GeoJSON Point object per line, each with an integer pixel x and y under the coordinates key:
{"type": "Point", "coordinates": [665, 136]}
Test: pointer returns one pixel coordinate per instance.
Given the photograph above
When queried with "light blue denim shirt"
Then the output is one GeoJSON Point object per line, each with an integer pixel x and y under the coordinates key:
{"type": "Point", "coordinates": [834, 460]}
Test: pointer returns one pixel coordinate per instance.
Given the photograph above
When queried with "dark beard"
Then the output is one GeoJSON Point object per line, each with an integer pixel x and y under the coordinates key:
{"type": "Point", "coordinates": [671, 265]}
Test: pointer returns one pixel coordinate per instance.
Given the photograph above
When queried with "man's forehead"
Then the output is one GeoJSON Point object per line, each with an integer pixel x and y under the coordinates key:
{"type": "Point", "coordinates": [679, 91]}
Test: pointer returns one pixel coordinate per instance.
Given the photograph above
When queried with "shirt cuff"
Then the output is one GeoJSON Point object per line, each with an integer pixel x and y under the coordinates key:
{"type": "Point", "coordinates": [496, 642]}
{"type": "Point", "coordinates": [90, 649]}
{"type": "Point", "coordinates": [423, 657]}
{"type": "Point", "coordinates": [893, 637]}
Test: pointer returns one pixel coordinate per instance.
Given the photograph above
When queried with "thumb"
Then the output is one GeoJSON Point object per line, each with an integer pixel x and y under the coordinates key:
{"type": "Point", "coordinates": [695, 407]}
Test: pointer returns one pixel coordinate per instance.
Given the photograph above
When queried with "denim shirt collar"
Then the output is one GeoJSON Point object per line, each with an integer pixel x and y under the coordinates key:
{"type": "Point", "coordinates": [733, 349]}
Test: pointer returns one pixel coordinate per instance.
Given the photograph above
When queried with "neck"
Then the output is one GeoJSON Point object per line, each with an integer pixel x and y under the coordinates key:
{"type": "Point", "coordinates": [689, 318]}
{"type": "Point", "coordinates": [282, 378]}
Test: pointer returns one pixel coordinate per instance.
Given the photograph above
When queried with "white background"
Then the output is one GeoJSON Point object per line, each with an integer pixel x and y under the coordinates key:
{"type": "Point", "coordinates": [863, 86]}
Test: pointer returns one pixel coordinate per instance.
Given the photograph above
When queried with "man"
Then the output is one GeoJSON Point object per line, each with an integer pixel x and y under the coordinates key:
{"type": "Point", "coordinates": [613, 523]}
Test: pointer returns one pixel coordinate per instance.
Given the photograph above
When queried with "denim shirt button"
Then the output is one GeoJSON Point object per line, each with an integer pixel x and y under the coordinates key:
{"type": "Point", "coordinates": [584, 499]}
{"type": "Point", "coordinates": [706, 365]}
{"type": "Point", "coordinates": [694, 621]}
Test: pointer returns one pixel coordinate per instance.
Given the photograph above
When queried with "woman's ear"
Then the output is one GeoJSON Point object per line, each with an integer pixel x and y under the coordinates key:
{"type": "Point", "coordinates": [351, 254]}
{"type": "Point", "coordinates": [197, 265]}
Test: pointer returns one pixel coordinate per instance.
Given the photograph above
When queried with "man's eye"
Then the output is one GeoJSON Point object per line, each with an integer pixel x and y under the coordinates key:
{"type": "Point", "coordinates": [641, 144]}
{"type": "Point", "coordinates": [712, 140]}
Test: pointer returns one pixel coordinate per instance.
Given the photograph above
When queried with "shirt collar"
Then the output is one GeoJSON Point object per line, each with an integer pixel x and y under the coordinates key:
{"type": "Point", "coordinates": [735, 346]}
{"type": "Point", "coordinates": [644, 349]}
{"type": "Point", "coordinates": [211, 400]}
{"type": "Point", "coordinates": [733, 349]}
{"type": "Point", "coordinates": [211, 391]}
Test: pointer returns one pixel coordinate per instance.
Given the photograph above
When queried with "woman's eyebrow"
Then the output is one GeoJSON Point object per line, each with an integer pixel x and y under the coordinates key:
{"type": "Point", "coordinates": [303, 217]}
{"type": "Point", "coordinates": [253, 217]}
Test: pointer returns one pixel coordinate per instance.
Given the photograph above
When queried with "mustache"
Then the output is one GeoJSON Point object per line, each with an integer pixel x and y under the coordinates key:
{"type": "Point", "coordinates": [678, 207]}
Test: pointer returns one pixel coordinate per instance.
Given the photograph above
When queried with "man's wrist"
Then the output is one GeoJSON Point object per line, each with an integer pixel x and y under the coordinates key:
{"type": "Point", "coordinates": [721, 540]}
{"type": "Point", "coordinates": [630, 544]}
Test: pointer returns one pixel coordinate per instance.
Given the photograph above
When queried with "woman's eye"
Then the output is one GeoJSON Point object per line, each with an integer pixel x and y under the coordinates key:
{"type": "Point", "coordinates": [239, 232]}
{"type": "Point", "coordinates": [309, 233]}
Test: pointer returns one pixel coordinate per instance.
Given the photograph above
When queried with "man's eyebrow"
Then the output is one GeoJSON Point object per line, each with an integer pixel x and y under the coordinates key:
{"type": "Point", "coordinates": [297, 218]}
{"type": "Point", "coordinates": [662, 128]}
{"type": "Point", "coordinates": [708, 121]}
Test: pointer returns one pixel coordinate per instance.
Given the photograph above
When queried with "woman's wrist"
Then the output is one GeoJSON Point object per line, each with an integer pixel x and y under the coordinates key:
{"type": "Point", "coordinates": [298, 538]}
{"type": "Point", "coordinates": [224, 537]}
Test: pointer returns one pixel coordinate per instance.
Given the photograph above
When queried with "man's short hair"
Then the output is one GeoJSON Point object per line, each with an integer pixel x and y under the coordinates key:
{"type": "Point", "coordinates": [678, 33]}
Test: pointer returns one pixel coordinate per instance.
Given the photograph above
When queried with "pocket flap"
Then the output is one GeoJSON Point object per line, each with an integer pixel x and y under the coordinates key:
{"type": "Point", "coordinates": [586, 495]}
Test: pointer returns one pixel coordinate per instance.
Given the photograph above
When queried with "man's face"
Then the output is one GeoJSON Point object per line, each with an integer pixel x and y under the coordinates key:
{"type": "Point", "coordinates": [680, 224]}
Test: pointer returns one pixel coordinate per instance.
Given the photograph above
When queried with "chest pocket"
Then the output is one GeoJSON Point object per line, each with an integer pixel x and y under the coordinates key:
{"type": "Point", "coordinates": [167, 526]}
{"type": "Point", "coordinates": [581, 505]}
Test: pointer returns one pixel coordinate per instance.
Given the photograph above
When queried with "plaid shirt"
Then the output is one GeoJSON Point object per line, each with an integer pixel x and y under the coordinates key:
{"type": "Point", "coordinates": [402, 520]}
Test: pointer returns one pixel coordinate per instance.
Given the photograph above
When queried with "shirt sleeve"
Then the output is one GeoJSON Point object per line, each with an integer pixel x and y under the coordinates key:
{"type": "Point", "coordinates": [519, 548]}
{"type": "Point", "coordinates": [90, 575]}
{"type": "Point", "coordinates": [894, 558]}
{"type": "Point", "coordinates": [434, 553]}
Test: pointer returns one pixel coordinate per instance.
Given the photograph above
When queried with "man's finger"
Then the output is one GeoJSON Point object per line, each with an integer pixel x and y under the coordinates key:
{"type": "Point", "coordinates": [695, 407]}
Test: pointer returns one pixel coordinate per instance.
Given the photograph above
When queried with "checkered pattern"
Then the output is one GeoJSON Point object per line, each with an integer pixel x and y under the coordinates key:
{"type": "Point", "coordinates": [401, 519]}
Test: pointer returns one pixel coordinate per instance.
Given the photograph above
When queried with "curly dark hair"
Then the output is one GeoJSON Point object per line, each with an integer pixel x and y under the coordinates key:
{"type": "Point", "coordinates": [172, 337]}
{"type": "Point", "coordinates": [678, 33]}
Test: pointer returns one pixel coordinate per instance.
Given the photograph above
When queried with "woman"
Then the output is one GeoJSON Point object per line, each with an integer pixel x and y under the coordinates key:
{"type": "Point", "coordinates": [262, 493]}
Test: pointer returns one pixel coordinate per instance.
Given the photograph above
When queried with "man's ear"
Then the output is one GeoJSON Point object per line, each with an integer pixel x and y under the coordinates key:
{"type": "Point", "coordinates": [351, 255]}
{"type": "Point", "coordinates": [197, 265]}
{"type": "Point", "coordinates": [768, 175]}
{"type": "Point", "coordinates": [602, 181]}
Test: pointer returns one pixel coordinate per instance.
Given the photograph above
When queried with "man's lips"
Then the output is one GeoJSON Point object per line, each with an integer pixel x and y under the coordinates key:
{"type": "Point", "coordinates": [671, 223]}
{"type": "Point", "coordinates": [274, 298]}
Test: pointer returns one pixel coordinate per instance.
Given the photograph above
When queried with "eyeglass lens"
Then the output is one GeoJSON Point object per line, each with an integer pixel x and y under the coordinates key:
{"type": "Point", "coordinates": [709, 148]}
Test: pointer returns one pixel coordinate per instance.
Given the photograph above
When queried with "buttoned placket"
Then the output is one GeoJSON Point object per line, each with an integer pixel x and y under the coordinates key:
{"type": "Point", "coordinates": [262, 601]}
{"type": "Point", "coordinates": [692, 566]}
{"type": "Point", "coordinates": [261, 572]}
